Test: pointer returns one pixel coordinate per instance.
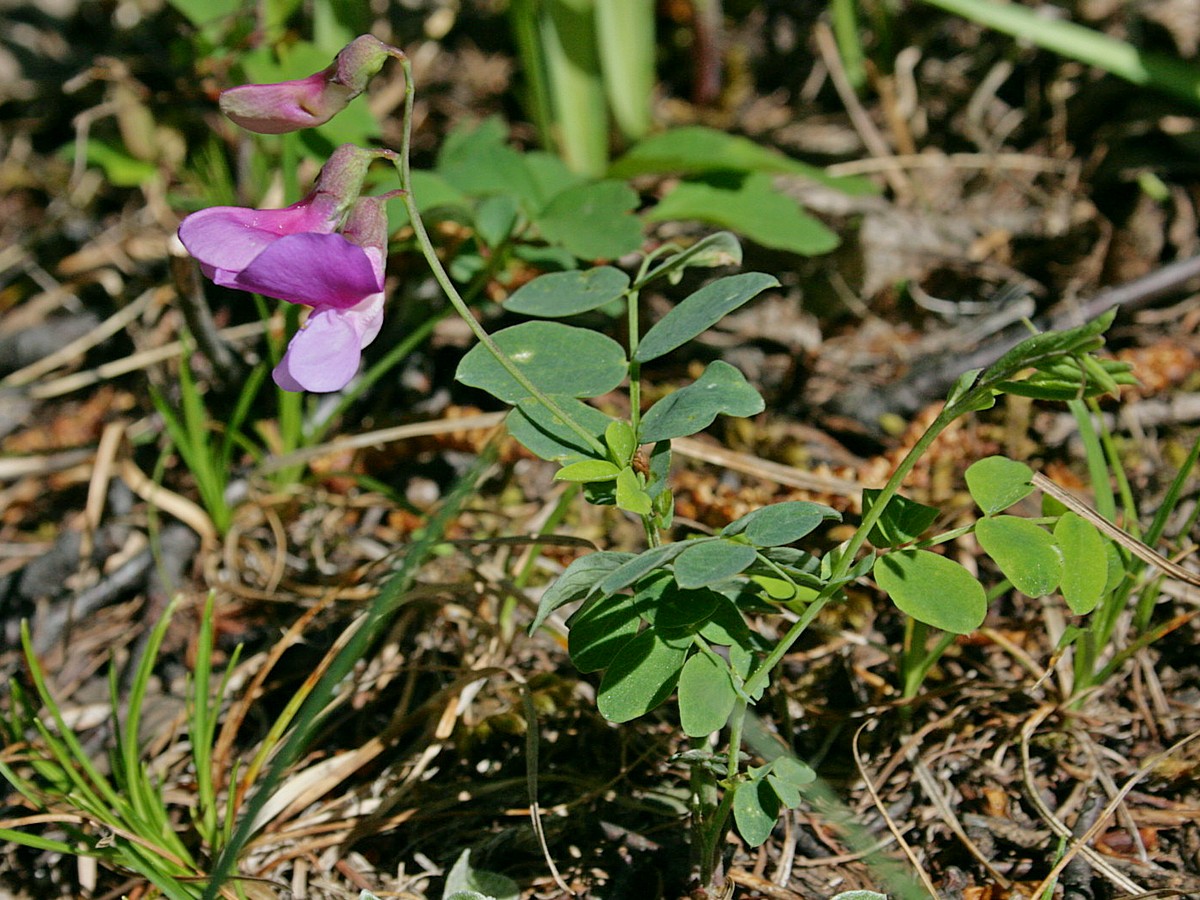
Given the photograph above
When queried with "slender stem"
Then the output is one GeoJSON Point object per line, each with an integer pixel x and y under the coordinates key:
{"type": "Point", "coordinates": [447, 286]}
{"type": "Point", "coordinates": [846, 556]}
{"type": "Point", "coordinates": [635, 367]}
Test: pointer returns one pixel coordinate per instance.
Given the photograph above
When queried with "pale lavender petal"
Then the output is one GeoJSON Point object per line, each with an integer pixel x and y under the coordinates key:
{"type": "Point", "coordinates": [228, 238]}
{"type": "Point", "coordinates": [322, 356]}
{"type": "Point", "coordinates": [367, 318]}
{"type": "Point", "coordinates": [325, 271]}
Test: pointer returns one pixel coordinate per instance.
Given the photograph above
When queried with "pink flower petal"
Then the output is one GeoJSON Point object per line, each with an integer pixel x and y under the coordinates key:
{"type": "Point", "coordinates": [228, 238]}
{"type": "Point", "coordinates": [322, 356]}
{"type": "Point", "coordinates": [284, 106]}
{"type": "Point", "coordinates": [319, 270]}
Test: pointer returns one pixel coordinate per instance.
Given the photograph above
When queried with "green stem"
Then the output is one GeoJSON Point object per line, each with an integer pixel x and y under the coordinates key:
{"type": "Point", "coordinates": [451, 292]}
{"type": "Point", "coordinates": [846, 556]}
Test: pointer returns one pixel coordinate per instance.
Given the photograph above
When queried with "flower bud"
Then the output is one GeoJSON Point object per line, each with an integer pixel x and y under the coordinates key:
{"type": "Point", "coordinates": [367, 224]}
{"type": "Point", "coordinates": [307, 102]}
{"type": "Point", "coordinates": [341, 178]}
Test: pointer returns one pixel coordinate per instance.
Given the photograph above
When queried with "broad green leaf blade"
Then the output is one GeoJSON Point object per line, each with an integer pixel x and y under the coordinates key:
{"type": "Point", "coordinates": [560, 294]}
{"type": "Point", "coordinates": [593, 220]}
{"type": "Point", "coordinates": [587, 470]}
{"type": "Point", "coordinates": [903, 521]}
{"type": "Point", "coordinates": [577, 581]}
{"type": "Point", "coordinates": [720, 389]}
{"type": "Point", "coordinates": [755, 810]}
{"type": "Point", "coordinates": [599, 630]}
{"type": "Point", "coordinates": [932, 589]}
{"type": "Point", "coordinates": [706, 695]}
{"type": "Point", "coordinates": [726, 626]}
{"type": "Point", "coordinates": [675, 612]}
{"type": "Point", "coordinates": [752, 206]}
{"type": "Point", "coordinates": [792, 771]}
{"type": "Point", "coordinates": [696, 149]}
{"type": "Point", "coordinates": [495, 219]}
{"type": "Point", "coordinates": [541, 350]}
{"type": "Point", "coordinates": [996, 483]}
{"type": "Point", "coordinates": [1025, 553]}
{"type": "Point", "coordinates": [1084, 562]}
{"type": "Point", "coordinates": [464, 879]}
{"type": "Point", "coordinates": [550, 174]}
{"type": "Point", "coordinates": [788, 794]}
{"type": "Point", "coordinates": [699, 312]}
{"type": "Point", "coordinates": [546, 436]}
{"type": "Point", "coordinates": [781, 523]}
{"type": "Point", "coordinates": [786, 776]}
{"type": "Point", "coordinates": [621, 441]}
{"type": "Point", "coordinates": [712, 562]}
{"type": "Point", "coordinates": [630, 496]}
{"type": "Point", "coordinates": [720, 249]}
{"type": "Point", "coordinates": [479, 163]}
{"type": "Point", "coordinates": [641, 676]}
{"type": "Point", "coordinates": [641, 566]}
{"type": "Point", "coordinates": [859, 895]}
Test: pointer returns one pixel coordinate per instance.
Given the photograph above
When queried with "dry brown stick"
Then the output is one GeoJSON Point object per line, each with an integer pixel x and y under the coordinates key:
{"type": "Point", "coordinates": [1081, 845]}
{"type": "Point", "coordinates": [1133, 545]}
{"type": "Point", "coordinates": [1056, 825]}
{"type": "Point", "coordinates": [891, 823]}
{"type": "Point", "coordinates": [871, 137]}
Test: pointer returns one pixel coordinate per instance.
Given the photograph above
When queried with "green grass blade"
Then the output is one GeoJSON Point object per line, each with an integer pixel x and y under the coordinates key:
{"type": "Point", "coordinates": [309, 719]}
{"type": "Point", "coordinates": [523, 16]}
{"type": "Point", "coordinates": [67, 750]}
{"type": "Point", "coordinates": [625, 40]}
{"type": "Point", "coordinates": [1166, 73]}
{"type": "Point", "coordinates": [568, 31]}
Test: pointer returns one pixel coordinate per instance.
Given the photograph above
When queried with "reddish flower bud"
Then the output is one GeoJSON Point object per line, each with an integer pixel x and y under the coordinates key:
{"type": "Point", "coordinates": [292, 105]}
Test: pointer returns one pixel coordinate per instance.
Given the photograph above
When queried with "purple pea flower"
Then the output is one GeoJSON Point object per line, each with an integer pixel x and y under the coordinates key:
{"type": "Point", "coordinates": [347, 307]}
{"type": "Point", "coordinates": [297, 254]}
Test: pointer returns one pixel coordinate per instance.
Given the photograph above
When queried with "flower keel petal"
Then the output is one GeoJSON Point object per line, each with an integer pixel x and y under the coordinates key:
{"type": "Point", "coordinates": [322, 356]}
